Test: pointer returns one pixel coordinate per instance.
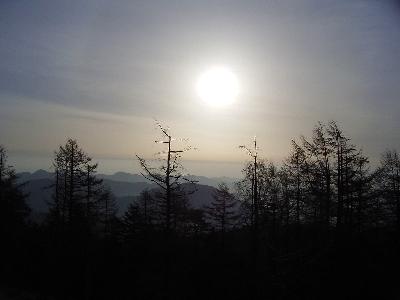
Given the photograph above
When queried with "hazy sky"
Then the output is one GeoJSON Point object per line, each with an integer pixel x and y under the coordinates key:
{"type": "Point", "coordinates": [101, 71]}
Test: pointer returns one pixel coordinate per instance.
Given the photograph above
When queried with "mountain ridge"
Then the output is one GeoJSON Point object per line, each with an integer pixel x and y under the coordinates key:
{"type": "Point", "coordinates": [37, 186]}
{"type": "Point", "coordinates": [128, 177]}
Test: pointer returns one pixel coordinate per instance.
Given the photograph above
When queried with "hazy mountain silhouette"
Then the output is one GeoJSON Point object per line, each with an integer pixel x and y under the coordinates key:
{"type": "Point", "coordinates": [39, 191]}
{"type": "Point", "coordinates": [125, 186]}
{"type": "Point", "coordinates": [129, 177]}
{"type": "Point", "coordinates": [201, 197]}
{"type": "Point", "coordinates": [39, 194]}
{"type": "Point", "coordinates": [124, 177]}
{"type": "Point", "coordinates": [39, 174]}
{"type": "Point", "coordinates": [213, 181]}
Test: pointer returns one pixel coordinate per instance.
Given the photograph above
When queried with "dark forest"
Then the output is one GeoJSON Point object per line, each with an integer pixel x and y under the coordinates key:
{"type": "Point", "coordinates": [322, 224]}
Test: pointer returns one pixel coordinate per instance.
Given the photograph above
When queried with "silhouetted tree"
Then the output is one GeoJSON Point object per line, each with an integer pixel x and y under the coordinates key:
{"type": "Point", "coordinates": [222, 211]}
{"type": "Point", "coordinates": [268, 193]}
{"type": "Point", "coordinates": [245, 190]}
{"type": "Point", "coordinates": [270, 198]}
{"type": "Point", "coordinates": [362, 187]}
{"type": "Point", "coordinates": [388, 182]}
{"type": "Point", "coordinates": [93, 191]}
{"type": "Point", "coordinates": [141, 216]}
{"type": "Point", "coordinates": [106, 210]}
{"type": "Point", "coordinates": [168, 176]}
{"type": "Point", "coordinates": [320, 151]}
{"type": "Point", "coordinates": [295, 173]}
{"type": "Point", "coordinates": [13, 208]}
{"type": "Point", "coordinates": [78, 195]}
{"type": "Point", "coordinates": [253, 153]}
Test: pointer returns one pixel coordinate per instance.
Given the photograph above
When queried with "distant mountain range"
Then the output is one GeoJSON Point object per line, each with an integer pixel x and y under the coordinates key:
{"type": "Point", "coordinates": [125, 186]}
{"type": "Point", "coordinates": [128, 177]}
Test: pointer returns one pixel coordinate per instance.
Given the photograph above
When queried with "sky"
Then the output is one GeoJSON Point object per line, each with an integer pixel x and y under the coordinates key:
{"type": "Point", "coordinates": [102, 71]}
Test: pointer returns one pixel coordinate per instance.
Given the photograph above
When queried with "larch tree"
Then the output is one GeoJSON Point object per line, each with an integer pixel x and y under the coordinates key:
{"type": "Point", "coordinates": [295, 168]}
{"type": "Point", "coordinates": [76, 190]}
{"type": "Point", "coordinates": [141, 216]}
{"type": "Point", "coordinates": [252, 169]}
{"type": "Point", "coordinates": [168, 175]}
{"type": "Point", "coordinates": [13, 208]}
{"type": "Point", "coordinates": [320, 152]}
{"type": "Point", "coordinates": [272, 206]}
{"type": "Point", "coordinates": [106, 210]}
{"type": "Point", "coordinates": [222, 211]}
{"type": "Point", "coordinates": [388, 178]}
{"type": "Point", "coordinates": [351, 172]}
{"type": "Point", "coordinates": [245, 189]}
{"type": "Point", "coordinates": [362, 188]}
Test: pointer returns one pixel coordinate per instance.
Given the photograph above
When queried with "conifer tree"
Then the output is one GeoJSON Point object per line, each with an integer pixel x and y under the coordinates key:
{"type": "Point", "coordinates": [222, 211]}
{"type": "Point", "coordinates": [13, 208]}
{"type": "Point", "coordinates": [168, 175]}
{"type": "Point", "coordinates": [388, 184]}
{"type": "Point", "coordinates": [78, 196]}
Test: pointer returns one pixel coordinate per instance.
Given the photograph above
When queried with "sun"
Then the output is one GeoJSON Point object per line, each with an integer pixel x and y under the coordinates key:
{"type": "Point", "coordinates": [218, 86]}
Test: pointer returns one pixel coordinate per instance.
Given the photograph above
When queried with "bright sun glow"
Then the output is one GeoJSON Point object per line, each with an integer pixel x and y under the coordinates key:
{"type": "Point", "coordinates": [218, 86]}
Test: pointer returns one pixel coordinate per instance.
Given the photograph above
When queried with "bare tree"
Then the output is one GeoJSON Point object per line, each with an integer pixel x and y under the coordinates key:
{"type": "Point", "coordinates": [168, 174]}
{"type": "Point", "coordinates": [254, 183]}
